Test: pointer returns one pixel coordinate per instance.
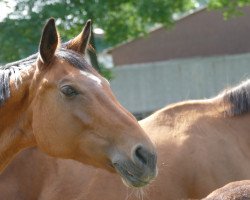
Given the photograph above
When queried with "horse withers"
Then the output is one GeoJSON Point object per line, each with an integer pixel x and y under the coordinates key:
{"type": "Point", "coordinates": [56, 101]}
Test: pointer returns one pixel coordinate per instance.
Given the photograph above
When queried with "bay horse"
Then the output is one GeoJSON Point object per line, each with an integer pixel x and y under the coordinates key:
{"type": "Point", "coordinates": [201, 144]}
{"type": "Point", "coordinates": [238, 190]}
{"type": "Point", "coordinates": [56, 101]}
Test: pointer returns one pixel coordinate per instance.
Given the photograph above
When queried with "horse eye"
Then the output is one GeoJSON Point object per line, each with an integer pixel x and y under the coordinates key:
{"type": "Point", "coordinates": [69, 91]}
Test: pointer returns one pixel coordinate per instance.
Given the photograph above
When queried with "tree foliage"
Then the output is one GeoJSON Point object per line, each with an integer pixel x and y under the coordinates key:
{"type": "Point", "coordinates": [230, 7]}
{"type": "Point", "coordinates": [120, 19]}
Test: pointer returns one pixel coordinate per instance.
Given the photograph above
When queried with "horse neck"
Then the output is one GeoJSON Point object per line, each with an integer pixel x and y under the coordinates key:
{"type": "Point", "coordinates": [165, 122]}
{"type": "Point", "coordinates": [192, 116]}
{"type": "Point", "coordinates": [15, 119]}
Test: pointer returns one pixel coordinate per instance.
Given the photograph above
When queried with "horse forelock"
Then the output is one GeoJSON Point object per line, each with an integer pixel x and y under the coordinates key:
{"type": "Point", "coordinates": [239, 99]}
{"type": "Point", "coordinates": [76, 60]}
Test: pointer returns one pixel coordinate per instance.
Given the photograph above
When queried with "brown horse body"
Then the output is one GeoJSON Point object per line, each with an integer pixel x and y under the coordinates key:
{"type": "Point", "coordinates": [54, 100]}
{"type": "Point", "coordinates": [238, 190]}
{"type": "Point", "coordinates": [202, 145]}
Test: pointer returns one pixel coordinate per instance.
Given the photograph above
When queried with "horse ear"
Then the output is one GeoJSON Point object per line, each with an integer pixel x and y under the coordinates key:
{"type": "Point", "coordinates": [49, 41]}
{"type": "Point", "coordinates": [80, 42]}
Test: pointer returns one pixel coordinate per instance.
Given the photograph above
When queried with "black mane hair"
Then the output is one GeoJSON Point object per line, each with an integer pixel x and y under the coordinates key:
{"type": "Point", "coordinates": [12, 69]}
{"type": "Point", "coordinates": [239, 99]}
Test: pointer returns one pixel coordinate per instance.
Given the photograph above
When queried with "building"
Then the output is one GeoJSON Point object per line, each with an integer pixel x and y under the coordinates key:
{"type": "Point", "coordinates": [196, 59]}
{"type": "Point", "coordinates": [201, 34]}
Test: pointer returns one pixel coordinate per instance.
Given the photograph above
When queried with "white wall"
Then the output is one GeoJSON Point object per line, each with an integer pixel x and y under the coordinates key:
{"type": "Point", "coordinates": [148, 87]}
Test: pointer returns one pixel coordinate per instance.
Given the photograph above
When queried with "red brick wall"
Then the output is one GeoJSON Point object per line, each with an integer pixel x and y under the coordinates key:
{"type": "Point", "coordinates": [204, 33]}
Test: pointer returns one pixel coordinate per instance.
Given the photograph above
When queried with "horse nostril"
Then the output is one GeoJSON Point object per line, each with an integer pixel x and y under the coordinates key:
{"type": "Point", "coordinates": [141, 155]}
{"type": "Point", "coordinates": [145, 157]}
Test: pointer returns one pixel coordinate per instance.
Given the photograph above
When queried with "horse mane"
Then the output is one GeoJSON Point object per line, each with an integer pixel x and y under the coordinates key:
{"type": "Point", "coordinates": [14, 68]}
{"type": "Point", "coordinates": [239, 99]}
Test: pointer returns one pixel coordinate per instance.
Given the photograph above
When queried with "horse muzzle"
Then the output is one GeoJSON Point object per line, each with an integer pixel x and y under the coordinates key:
{"type": "Point", "coordinates": [138, 171]}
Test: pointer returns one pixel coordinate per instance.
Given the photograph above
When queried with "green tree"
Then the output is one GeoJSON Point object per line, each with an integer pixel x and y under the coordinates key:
{"type": "Point", "coordinates": [120, 19]}
{"type": "Point", "coordinates": [229, 7]}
